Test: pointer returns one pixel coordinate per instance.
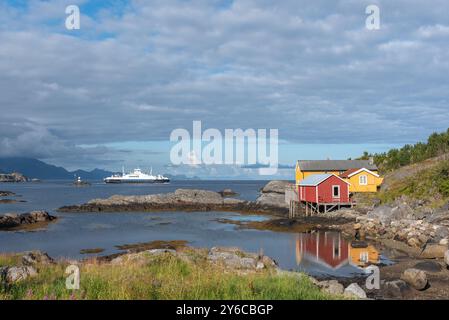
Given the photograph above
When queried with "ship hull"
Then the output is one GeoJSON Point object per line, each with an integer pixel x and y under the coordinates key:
{"type": "Point", "coordinates": [118, 180]}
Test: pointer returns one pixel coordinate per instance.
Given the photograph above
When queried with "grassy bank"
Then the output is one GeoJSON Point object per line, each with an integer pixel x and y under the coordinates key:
{"type": "Point", "coordinates": [158, 277]}
{"type": "Point", "coordinates": [428, 182]}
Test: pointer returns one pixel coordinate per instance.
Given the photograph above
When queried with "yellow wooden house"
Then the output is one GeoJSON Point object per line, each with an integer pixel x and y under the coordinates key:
{"type": "Point", "coordinates": [305, 168]}
{"type": "Point", "coordinates": [362, 175]}
{"type": "Point", "coordinates": [362, 180]}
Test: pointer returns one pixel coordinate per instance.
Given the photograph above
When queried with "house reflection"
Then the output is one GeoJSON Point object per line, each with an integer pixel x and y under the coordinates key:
{"type": "Point", "coordinates": [330, 250]}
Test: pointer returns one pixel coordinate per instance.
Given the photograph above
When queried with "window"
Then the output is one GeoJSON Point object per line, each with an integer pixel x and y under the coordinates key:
{"type": "Point", "coordinates": [363, 180]}
{"type": "Point", "coordinates": [364, 257]}
{"type": "Point", "coordinates": [336, 191]}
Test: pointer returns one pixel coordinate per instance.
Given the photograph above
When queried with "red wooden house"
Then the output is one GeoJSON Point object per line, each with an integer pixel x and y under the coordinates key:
{"type": "Point", "coordinates": [326, 248]}
{"type": "Point", "coordinates": [324, 191]}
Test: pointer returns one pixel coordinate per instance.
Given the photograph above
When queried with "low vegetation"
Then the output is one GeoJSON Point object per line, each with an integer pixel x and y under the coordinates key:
{"type": "Point", "coordinates": [163, 276]}
{"type": "Point", "coordinates": [428, 182]}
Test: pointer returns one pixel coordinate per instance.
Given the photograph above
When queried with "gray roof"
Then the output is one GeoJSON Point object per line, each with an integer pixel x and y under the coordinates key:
{"type": "Point", "coordinates": [335, 165]}
{"type": "Point", "coordinates": [315, 179]}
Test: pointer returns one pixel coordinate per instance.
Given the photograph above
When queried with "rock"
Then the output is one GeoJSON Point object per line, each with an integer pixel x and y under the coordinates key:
{"type": "Point", "coordinates": [433, 251]}
{"type": "Point", "coordinates": [415, 278]}
{"type": "Point", "coordinates": [446, 258]}
{"type": "Point", "coordinates": [332, 287]}
{"type": "Point", "coordinates": [429, 266]}
{"type": "Point", "coordinates": [11, 275]}
{"type": "Point", "coordinates": [357, 226]}
{"type": "Point", "coordinates": [228, 193]}
{"type": "Point", "coordinates": [36, 257]}
{"type": "Point", "coordinates": [12, 177]}
{"type": "Point", "coordinates": [11, 221]}
{"type": "Point", "coordinates": [396, 288]}
{"type": "Point", "coordinates": [183, 200]}
{"type": "Point", "coordinates": [6, 194]}
{"type": "Point", "coordinates": [355, 291]}
{"type": "Point", "coordinates": [272, 199]}
{"type": "Point", "coordinates": [276, 186]}
{"type": "Point", "coordinates": [444, 242]}
{"type": "Point", "coordinates": [413, 242]}
{"type": "Point", "coordinates": [234, 258]}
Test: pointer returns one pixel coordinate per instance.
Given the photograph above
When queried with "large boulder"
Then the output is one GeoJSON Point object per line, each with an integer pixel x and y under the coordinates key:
{"type": "Point", "coordinates": [415, 278]}
{"type": "Point", "coordinates": [276, 186]}
{"type": "Point", "coordinates": [355, 291]}
{"type": "Point", "coordinates": [235, 258]}
{"type": "Point", "coordinates": [272, 200]}
{"type": "Point", "coordinates": [11, 275]}
{"type": "Point", "coordinates": [332, 287]}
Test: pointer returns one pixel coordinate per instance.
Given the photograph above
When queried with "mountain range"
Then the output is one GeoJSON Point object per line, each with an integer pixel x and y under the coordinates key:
{"type": "Point", "coordinates": [36, 169]}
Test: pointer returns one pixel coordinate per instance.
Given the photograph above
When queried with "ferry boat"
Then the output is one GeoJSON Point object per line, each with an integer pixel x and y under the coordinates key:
{"type": "Point", "coordinates": [136, 176]}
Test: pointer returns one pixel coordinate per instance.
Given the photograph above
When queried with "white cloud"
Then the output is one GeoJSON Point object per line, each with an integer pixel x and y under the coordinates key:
{"type": "Point", "coordinates": [311, 70]}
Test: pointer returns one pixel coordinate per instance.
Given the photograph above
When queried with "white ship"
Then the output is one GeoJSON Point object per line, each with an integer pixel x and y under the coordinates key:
{"type": "Point", "coordinates": [136, 176]}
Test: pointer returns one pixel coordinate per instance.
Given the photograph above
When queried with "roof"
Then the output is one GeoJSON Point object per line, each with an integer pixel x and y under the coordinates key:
{"type": "Point", "coordinates": [316, 179]}
{"type": "Point", "coordinates": [335, 165]}
{"type": "Point", "coordinates": [349, 173]}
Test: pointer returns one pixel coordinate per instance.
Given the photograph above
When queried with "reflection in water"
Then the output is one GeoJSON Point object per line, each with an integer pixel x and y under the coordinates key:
{"type": "Point", "coordinates": [332, 252]}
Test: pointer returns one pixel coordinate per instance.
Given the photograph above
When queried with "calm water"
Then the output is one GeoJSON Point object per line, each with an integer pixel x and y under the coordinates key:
{"type": "Point", "coordinates": [317, 254]}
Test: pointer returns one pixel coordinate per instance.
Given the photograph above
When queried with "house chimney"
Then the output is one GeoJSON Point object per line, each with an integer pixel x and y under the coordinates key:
{"type": "Point", "coordinates": [371, 161]}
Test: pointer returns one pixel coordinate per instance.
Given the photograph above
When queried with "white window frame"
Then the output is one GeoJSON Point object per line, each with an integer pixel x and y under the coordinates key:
{"type": "Point", "coordinates": [333, 188]}
{"type": "Point", "coordinates": [366, 180]}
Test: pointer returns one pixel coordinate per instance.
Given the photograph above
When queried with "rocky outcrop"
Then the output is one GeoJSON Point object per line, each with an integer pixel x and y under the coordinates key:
{"type": "Point", "coordinates": [180, 200]}
{"type": "Point", "coordinates": [273, 194]}
{"type": "Point", "coordinates": [6, 194]}
{"type": "Point", "coordinates": [391, 224]}
{"type": "Point", "coordinates": [276, 186]}
{"type": "Point", "coordinates": [33, 258]}
{"type": "Point", "coordinates": [12, 177]}
{"type": "Point", "coordinates": [16, 221]}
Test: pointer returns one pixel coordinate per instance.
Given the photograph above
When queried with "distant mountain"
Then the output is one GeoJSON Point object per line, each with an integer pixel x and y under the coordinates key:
{"type": "Point", "coordinates": [33, 168]}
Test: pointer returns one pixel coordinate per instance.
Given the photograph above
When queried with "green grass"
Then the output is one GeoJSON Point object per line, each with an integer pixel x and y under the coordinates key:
{"type": "Point", "coordinates": [430, 185]}
{"type": "Point", "coordinates": [162, 277]}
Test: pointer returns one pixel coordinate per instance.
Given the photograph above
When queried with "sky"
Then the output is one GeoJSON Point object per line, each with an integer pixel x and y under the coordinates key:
{"type": "Point", "coordinates": [111, 93]}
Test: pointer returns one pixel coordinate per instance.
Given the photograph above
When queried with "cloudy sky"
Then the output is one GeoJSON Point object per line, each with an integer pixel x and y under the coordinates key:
{"type": "Point", "coordinates": [110, 93]}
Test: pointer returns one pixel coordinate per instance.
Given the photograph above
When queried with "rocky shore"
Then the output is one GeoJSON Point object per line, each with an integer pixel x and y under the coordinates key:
{"type": "Point", "coordinates": [6, 193]}
{"type": "Point", "coordinates": [181, 200]}
{"type": "Point", "coordinates": [12, 177]}
{"type": "Point", "coordinates": [33, 219]}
